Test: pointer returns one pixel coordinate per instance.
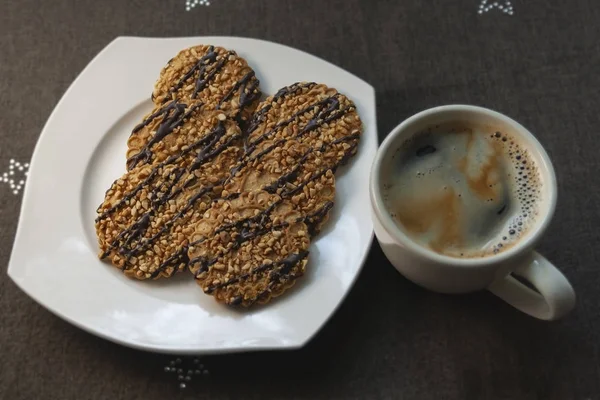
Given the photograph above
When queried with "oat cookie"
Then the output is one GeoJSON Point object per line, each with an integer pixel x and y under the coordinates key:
{"type": "Point", "coordinates": [249, 249]}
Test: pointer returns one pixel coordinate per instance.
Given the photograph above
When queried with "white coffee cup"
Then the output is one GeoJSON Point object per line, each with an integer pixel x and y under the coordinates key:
{"type": "Point", "coordinates": [447, 274]}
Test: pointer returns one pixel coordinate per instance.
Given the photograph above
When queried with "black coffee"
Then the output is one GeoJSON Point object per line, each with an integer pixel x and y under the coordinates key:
{"type": "Point", "coordinates": [463, 190]}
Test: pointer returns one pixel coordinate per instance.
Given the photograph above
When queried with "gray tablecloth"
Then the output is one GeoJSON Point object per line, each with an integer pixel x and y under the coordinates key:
{"type": "Point", "coordinates": [389, 339]}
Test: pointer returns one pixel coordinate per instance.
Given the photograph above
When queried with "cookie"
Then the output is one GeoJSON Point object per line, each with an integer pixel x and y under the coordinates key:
{"type": "Point", "coordinates": [313, 114]}
{"type": "Point", "coordinates": [249, 249]}
{"type": "Point", "coordinates": [198, 80]}
{"type": "Point", "coordinates": [325, 128]}
{"type": "Point", "coordinates": [274, 227]}
{"type": "Point", "coordinates": [142, 223]}
{"type": "Point", "coordinates": [157, 218]}
{"type": "Point", "coordinates": [293, 144]}
{"type": "Point", "coordinates": [214, 76]}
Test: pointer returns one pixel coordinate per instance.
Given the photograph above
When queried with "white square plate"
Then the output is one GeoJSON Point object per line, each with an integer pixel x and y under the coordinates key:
{"type": "Point", "coordinates": [82, 150]}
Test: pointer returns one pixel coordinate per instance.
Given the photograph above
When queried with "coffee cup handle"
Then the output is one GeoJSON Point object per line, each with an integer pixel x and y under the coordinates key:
{"type": "Point", "coordinates": [556, 297]}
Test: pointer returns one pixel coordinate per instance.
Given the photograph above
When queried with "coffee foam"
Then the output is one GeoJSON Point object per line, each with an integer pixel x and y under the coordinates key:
{"type": "Point", "coordinates": [463, 190]}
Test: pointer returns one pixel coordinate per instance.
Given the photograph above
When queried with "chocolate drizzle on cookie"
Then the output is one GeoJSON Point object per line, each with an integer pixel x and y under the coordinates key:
{"type": "Point", "coordinates": [175, 184]}
{"type": "Point", "coordinates": [279, 271]}
{"type": "Point", "coordinates": [324, 111]}
{"type": "Point", "coordinates": [206, 69]}
{"type": "Point", "coordinates": [248, 94]}
{"type": "Point", "coordinates": [206, 60]}
{"type": "Point", "coordinates": [174, 115]}
{"type": "Point", "coordinates": [282, 268]}
{"type": "Point", "coordinates": [281, 94]}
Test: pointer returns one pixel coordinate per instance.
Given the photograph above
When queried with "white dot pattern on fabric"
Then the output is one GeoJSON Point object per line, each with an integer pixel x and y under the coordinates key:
{"type": "Point", "coordinates": [186, 370]}
{"type": "Point", "coordinates": [505, 6]}
{"type": "Point", "coordinates": [189, 4]}
{"type": "Point", "coordinates": [15, 176]}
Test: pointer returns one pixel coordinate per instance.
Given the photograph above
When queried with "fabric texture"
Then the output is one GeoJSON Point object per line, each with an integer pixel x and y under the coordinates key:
{"type": "Point", "coordinates": [390, 339]}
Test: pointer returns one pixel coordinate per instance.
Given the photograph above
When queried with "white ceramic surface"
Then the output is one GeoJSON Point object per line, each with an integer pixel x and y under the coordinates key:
{"type": "Point", "coordinates": [446, 274]}
{"type": "Point", "coordinates": [82, 150]}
